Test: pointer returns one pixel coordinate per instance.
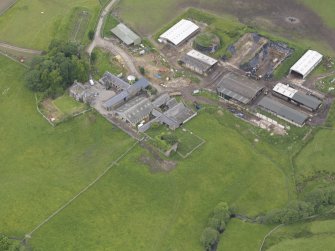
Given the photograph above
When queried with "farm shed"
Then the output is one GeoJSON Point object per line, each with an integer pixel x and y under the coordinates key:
{"type": "Point", "coordinates": [126, 94]}
{"type": "Point", "coordinates": [126, 35]}
{"type": "Point", "coordinates": [306, 101]}
{"type": "Point", "coordinates": [110, 81]}
{"type": "Point", "coordinates": [241, 89]}
{"type": "Point", "coordinates": [135, 110]}
{"type": "Point", "coordinates": [198, 62]}
{"type": "Point", "coordinates": [282, 111]}
{"type": "Point", "coordinates": [180, 32]}
{"type": "Point", "coordinates": [306, 64]}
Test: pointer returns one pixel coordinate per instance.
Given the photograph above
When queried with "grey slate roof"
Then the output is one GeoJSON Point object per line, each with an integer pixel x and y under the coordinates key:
{"type": "Point", "coordinates": [179, 113]}
{"type": "Point", "coordinates": [108, 79]}
{"type": "Point", "coordinates": [131, 91]}
{"type": "Point", "coordinates": [283, 111]}
{"type": "Point", "coordinates": [238, 88]}
{"type": "Point", "coordinates": [307, 100]}
{"type": "Point", "coordinates": [126, 35]}
{"type": "Point", "coordinates": [116, 100]}
{"type": "Point", "coordinates": [135, 109]}
{"type": "Point", "coordinates": [161, 100]}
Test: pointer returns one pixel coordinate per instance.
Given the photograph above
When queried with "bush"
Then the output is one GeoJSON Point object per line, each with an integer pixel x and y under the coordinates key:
{"type": "Point", "coordinates": [142, 70]}
{"type": "Point", "coordinates": [170, 139]}
{"type": "Point", "coordinates": [216, 224]}
{"type": "Point", "coordinates": [91, 35]}
{"type": "Point", "coordinates": [209, 238]}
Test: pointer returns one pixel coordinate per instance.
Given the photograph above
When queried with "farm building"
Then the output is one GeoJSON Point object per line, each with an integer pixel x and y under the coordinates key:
{"type": "Point", "coordinates": [126, 35]}
{"type": "Point", "coordinates": [77, 91]}
{"type": "Point", "coordinates": [180, 32]}
{"type": "Point", "coordinates": [135, 110]}
{"type": "Point", "coordinates": [126, 94]}
{"type": "Point", "coordinates": [241, 89]}
{"type": "Point", "coordinates": [306, 64]}
{"type": "Point", "coordinates": [290, 94]}
{"type": "Point", "coordinates": [168, 111]}
{"type": "Point", "coordinates": [198, 62]}
{"type": "Point", "coordinates": [110, 81]}
{"type": "Point", "coordinates": [284, 112]}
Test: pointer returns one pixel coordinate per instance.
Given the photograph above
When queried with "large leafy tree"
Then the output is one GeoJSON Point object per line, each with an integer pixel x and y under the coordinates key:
{"type": "Point", "coordinates": [55, 71]}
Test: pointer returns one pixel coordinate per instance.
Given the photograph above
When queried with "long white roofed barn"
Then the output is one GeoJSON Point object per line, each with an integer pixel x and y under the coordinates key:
{"type": "Point", "coordinates": [180, 32]}
{"type": "Point", "coordinates": [306, 64]}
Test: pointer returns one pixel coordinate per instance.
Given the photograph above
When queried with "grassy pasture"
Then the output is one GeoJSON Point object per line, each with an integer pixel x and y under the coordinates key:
{"type": "Point", "coordinates": [41, 166]}
{"type": "Point", "coordinates": [109, 24]}
{"type": "Point", "coordinates": [25, 25]}
{"type": "Point", "coordinates": [324, 8]}
{"type": "Point", "coordinates": [160, 211]}
{"type": "Point", "coordinates": [105, 61]}
{"type": "Point", "coordinates": [316, 235]}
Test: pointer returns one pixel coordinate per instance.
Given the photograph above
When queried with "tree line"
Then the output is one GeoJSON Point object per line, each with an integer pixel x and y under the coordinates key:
{"type": "Point", "coordinates": [53, 72]}
{"type": "Point", "coordinates": [314, 202]}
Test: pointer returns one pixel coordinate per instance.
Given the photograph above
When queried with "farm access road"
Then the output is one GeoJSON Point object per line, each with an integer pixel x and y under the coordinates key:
{"type": "Point", "coordinates": [19, 49]}
{"type": "Point", "coordinates": [99, 41]}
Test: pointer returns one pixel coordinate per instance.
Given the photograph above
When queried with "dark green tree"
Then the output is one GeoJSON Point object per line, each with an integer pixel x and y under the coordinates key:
{"type": "Point", "coordinates": [209, 238]}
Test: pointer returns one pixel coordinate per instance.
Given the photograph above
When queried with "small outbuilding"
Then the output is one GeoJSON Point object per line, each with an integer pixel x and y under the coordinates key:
{"type": "Point", "coordinates": [306, 64]}
{"type": "Point", "coordinates": [238, 88]}
{"type": "Point", "coordinates": [283, 111]}
{"type": "Point", "coordinates": [126, 35]}
{"type": "Point", "coordinates": [198, 62]}
{"type": "Point", "coordinates": [180, 32]}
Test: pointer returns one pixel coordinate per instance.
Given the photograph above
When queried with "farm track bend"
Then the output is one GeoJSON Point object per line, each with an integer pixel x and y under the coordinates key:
{"type": "Point", "coordinates": [98, 41]}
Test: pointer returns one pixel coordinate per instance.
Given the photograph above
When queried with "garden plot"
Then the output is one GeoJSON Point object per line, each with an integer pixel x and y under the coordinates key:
{"type": "Point", "coordinates": [81, 18]}
{"type": "Point", "coordinates": [61, 108]}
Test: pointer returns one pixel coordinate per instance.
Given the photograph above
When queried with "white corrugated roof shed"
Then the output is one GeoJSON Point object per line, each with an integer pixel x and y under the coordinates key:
{"type": "Point", "coordinates": [285, 90]}
{"type": "Point", "coordinates": [202, 57]}
{"type": "Point", "coordinates": [307, 63]}
{"type": "Point", "coordinates": [180, 31]}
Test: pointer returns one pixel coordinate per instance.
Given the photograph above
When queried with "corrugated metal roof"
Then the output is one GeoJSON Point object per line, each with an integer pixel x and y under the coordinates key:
{"type": "Point", "coordinates": [285, 90]}
{"type": "Point", "coordinates": [297, 96]}
{"type": "Point", "coordinates": [125, 34]}
{"type": "Point", "coordinates": [307, 62]}
{"type": "Point", "coordinates": [283, 111]}
{"type": "Point", "coordinates": [135, 110]}
{"type": "Point", "coordinates": [307, 100]}
{"type": "Point", "coordinates": [238, 88]}
{"type": "Point", "coordinates": [180, 31]}
{"type": "Point", "coordinates": [202, 57]}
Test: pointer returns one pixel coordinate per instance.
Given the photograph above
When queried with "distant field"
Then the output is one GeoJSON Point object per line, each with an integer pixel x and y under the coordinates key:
{"type": "Point", "coordinates": [253, 13]}
{"type": "Point", "coordinates": [324, 8]}
{"type": "Point", "coordinates": [317, 235]}
{"type": "Point", "coordinates": [5, 4]}
{"type": "Point", "coordinates": [34, 23]}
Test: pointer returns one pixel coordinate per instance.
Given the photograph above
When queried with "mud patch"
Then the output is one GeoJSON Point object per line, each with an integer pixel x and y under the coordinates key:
{"type": "Point", "coordinates": [156, 164]}
{"type": "Point", "coordinates": [292, 20]}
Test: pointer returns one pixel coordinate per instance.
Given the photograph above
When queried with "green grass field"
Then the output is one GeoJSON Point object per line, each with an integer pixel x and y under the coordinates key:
{"type": "Point", "coordinates": [168, 211]}
{"type": "Point", "coordinates": [105, 61]}
{"type": "Point", "coordinates": [42, 167]}
{"type": "Point", "coordinates": [109, 24]}
{"type": "Point", "coordinates": [317, 235]}
{"type": "Point", "coordinates": [25, 25]}
{"type": "Point", "coordinates": [324, 9]}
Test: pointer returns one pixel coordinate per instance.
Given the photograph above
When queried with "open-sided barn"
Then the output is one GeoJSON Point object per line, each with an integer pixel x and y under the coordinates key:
{"type": "Point", "coordinates": [306, 101]}
{"type": "Point", "coordinates": [198, 62]}
{"type": "Point", "coordinates": [306, 64]}
{"type": "Point", "coordinates": [241, 89]}
{"type": "Point", "coordinates": [283, 111]}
